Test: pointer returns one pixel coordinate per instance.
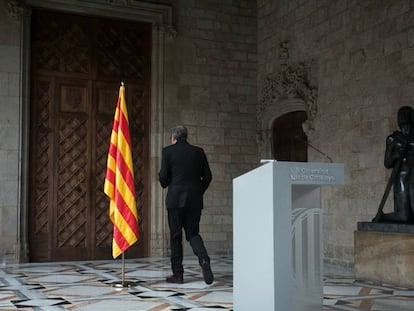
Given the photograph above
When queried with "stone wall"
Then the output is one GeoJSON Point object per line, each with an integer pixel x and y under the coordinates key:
{"type": "Point", "coordinates": [10, 134]}
{"type": "Point", "coordinates": [363, 56]}
{"type": "Point", "coordinates": [211, 88]}
{"type": "Point", "coordinates": [209, 85]}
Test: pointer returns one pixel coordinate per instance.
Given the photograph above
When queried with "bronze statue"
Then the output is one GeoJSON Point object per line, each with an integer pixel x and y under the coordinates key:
{"type": "Point", "coordinates": [399, 155]}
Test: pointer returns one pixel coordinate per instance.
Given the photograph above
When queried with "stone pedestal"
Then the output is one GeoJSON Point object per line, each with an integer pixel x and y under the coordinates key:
{"type": "Point", "coordinates": [384, 253]}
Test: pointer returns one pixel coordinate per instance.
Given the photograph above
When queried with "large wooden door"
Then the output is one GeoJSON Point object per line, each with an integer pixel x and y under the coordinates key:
{"type": "Point", "coordinates": [77, 65]}
{"type": "Point", "coordinates": [289, 141]}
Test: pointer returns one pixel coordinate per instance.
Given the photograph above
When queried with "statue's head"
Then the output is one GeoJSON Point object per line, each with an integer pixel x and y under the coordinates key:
{"type": "Point", "coordinates": [405, 118]}
{"type": "Point", "coordinates": [404, 115]}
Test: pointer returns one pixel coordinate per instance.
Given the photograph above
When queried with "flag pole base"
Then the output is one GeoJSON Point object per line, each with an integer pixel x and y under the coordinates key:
{"type": "Point", "coordinates": [124, 284]}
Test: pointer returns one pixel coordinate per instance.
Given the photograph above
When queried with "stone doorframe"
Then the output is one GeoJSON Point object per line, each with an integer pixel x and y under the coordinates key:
{"type": "Point", "coordinates": [160, 16]}
{"type": "Point", "coordinates": [268, 116]}
{"type": "Point", "coordinates": [286, 91]}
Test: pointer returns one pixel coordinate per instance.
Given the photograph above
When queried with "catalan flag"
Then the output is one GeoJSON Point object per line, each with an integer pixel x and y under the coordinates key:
{"type": "Point", "coordinates": [119, 181]}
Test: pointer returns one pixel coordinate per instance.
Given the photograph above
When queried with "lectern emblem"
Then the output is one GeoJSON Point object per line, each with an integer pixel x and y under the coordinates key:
{"type": "Point", "coordinates": [295, 170]}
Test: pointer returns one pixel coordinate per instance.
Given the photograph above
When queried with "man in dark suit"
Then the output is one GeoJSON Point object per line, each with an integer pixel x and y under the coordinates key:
{"type": "Point", "coordinates": [186, 173]}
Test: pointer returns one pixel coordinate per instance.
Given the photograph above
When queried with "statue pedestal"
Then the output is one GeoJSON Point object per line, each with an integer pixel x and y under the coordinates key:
{"type": "Point", "coordinates": [384, 253]}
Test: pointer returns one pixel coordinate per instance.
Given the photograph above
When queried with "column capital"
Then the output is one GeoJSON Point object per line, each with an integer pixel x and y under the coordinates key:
{"type": "Point", "coordinates": [167, 29]}
{"type": "Point", "coordinates": [17, 8]}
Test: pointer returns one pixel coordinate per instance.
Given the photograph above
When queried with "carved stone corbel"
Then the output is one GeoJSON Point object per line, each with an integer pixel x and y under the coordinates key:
{"type": "Point", "coordinates": [16, 9]}
{"type": "Point", "coordinates": [168, 30]}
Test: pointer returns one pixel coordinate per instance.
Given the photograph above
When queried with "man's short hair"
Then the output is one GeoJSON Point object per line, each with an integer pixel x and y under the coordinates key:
{"type": "Point", "coordinates": [179, 132]}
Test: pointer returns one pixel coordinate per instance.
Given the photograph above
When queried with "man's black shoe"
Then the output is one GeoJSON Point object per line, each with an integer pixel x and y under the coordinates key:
{"type": "Point", "coordinates": [175, 279]}
{"type": "Point", "coordinates": [207, 273]}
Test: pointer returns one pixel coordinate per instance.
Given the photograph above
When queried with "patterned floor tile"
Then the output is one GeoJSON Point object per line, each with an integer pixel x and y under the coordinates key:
{"type": "Point", "coordinates": [94, 285]}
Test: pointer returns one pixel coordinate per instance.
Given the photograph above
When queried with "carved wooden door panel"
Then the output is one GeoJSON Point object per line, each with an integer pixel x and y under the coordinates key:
{"type": "Point", "coordinates": [77, 65]}
{"type": "Point", "coordinates": [289, 140]}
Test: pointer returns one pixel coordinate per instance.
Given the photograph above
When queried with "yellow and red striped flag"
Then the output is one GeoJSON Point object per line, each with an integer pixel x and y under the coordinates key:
{"type": "Point", "coordinates": [119, 181]}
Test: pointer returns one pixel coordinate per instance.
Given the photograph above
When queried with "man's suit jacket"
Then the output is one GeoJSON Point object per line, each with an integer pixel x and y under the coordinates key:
{"type": "Point", "coordinates": [186, 173]}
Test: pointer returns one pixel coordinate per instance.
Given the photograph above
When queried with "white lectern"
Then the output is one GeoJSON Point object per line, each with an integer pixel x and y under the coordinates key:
{"type": "Point", "coordinates": [277, 236]}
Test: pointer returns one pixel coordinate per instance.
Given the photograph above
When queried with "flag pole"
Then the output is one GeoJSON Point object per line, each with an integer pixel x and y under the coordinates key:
{"type": "Point", "coordinates": [124, 283]}
{"type": "Point", "coordinates": [123, 253]}
{"type": "Point", "coordinates": [123, 269]}
{"type": "Point", "coordinates": [121, 116]}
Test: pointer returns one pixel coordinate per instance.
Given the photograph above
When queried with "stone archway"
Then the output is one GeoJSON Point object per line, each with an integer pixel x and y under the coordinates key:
{"type": "Point", "coordinates": [267, 119]}
{"type": "Point", "coordinates": [289, 142]}
{"type": "Point", "coordinates": [283, 92]}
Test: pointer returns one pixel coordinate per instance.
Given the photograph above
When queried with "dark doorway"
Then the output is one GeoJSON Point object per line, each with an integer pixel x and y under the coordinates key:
{"type": "Point", "coordinates": [77, 64]}
{"type": "Point", "coordinates": [289, 140]}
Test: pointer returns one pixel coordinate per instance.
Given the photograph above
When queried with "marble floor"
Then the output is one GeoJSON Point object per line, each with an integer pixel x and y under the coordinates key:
{"type": "Point", "coordinates": [92, 286]}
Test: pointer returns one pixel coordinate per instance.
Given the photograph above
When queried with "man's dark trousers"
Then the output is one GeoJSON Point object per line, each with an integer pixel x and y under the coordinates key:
{"type": "Point", "coordinates": [189, 219]}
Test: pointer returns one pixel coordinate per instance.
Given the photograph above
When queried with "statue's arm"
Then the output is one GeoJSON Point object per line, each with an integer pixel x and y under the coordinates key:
{"type": "Point", "coordinates": [394, 150]}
